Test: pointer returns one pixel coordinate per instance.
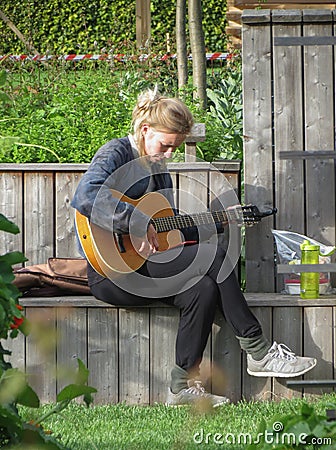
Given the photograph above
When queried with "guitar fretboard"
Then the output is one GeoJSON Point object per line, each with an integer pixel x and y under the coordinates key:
{"type": "Point", "coordinates": [178, 222]}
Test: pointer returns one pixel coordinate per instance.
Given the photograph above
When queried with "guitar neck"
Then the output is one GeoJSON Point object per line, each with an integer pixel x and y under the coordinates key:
{"type": "Point", "coordinates": [178, 222]}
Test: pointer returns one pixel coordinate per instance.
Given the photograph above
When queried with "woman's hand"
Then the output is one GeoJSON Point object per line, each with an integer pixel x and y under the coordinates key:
{"type": "Point", "coordinates": [148, 244]}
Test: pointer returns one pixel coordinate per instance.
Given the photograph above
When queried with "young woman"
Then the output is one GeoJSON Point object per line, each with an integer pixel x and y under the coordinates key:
{"type": "Point", "coordinates": [193, 276]}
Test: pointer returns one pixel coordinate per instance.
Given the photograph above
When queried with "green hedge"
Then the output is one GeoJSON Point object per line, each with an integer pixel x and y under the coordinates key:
{"type": "Point", "coordinates": [73, 26]}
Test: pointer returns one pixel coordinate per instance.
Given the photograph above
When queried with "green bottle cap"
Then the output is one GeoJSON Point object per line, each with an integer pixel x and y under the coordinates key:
{"type": "Point", "coordinates": [306, 245]}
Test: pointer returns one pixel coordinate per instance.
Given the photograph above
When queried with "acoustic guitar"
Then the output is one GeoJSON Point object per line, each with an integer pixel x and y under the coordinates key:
{"type": "Point", "coordinates": [112, 255]}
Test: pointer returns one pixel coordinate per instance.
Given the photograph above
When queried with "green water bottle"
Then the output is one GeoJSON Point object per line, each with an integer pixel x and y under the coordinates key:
{"type": "Point", "coordinates": [309, 281]}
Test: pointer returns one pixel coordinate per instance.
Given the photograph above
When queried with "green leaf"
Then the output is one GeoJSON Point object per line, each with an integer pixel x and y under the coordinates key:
{"type": "Point", "coordinates": [307, 410]}
{"type": "Point", "coordinates": [8, 226]}
{"type": "Point", "coordinates": [4, 97]}
{"type": "Point", "coordinates": [88, 399]}
{"type": "Point", "coordinates": [73, 391]}
{"type": "Point", "coordinates": [13, 258]}
{"type": "Point", "coordinates": [28, 397]}
{"type": "Point", "coordinates": [3, 76]}
{"type": "Point", "coordinates": [82, 375]}
{"type": "Point", "coordinates": [300, 428]}
{"type": "Point", "coordinates": [10, 421]}
{"type": "Point", "coordinates": [2, 318]}
{"type": "Point", "coordinates": [6, 273]}
{"type": "Point", "coordinates": [34, 437]}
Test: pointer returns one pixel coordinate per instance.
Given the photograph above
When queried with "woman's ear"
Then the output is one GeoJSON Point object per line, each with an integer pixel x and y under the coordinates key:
{"type": "Point", "coordinates": [144, 128]}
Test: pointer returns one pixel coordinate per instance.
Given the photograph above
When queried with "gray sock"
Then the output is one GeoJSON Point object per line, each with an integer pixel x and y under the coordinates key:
{"type": "Point", "coordinates": [257, 346]}
{"type": "Point", "coordinates": [179, 379]}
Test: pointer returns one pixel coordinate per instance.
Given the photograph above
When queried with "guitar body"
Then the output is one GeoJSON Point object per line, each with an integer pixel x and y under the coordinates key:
{"type": "Point", "coordinates": [102, 248]}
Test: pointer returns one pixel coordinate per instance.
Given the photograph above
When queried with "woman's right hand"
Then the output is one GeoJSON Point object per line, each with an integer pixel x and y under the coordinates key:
{"type": "Point", "coordinates": [146, 245]}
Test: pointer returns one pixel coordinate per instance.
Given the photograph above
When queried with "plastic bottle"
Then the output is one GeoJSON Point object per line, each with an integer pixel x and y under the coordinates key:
{"type": "Point", "coordinates": [309, 281]}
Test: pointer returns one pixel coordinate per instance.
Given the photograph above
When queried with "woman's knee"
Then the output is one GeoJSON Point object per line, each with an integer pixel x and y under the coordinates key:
{"type": "Point", "coordinates": [203, 295]}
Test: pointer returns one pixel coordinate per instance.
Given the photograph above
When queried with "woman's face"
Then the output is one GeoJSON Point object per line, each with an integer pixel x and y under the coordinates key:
{"type": "Point", "coordinates": [158, 144]}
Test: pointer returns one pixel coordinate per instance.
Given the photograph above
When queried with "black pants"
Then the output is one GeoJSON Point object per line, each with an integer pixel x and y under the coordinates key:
{"type": "Point", "coordinates": [197, 293]}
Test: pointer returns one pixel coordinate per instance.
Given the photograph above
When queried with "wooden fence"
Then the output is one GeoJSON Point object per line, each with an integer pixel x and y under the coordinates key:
{"type": "Point", "coordinates": [235, 10]}
{"type": "Point", "coordinates": [37, 198]}
{"type": "Point", "coordinates": [289, 131]}
{"type": "Point", "coordinates": [130, 351]}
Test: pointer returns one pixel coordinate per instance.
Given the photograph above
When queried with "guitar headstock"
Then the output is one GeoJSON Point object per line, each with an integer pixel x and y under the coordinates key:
{"type": "Point", "coordinates": [252, 214]}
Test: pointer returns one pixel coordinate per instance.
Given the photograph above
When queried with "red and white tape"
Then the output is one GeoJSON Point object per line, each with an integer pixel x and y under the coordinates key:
{"type": "Point", "coordinates": [108, 57]}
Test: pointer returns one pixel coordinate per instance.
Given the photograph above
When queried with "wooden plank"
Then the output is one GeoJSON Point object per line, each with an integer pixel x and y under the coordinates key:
{"type": "Point", "coordinates": [319, 132]}
{"type": "Point", "coordinates": [193, 191]}
{"type": "Point", "coordinates": [17, 348]}
{"type": "Point", "coordinates": [146, 360]}
{"type": "Point", "coordinates": [255, 388]}
{"type": "Point", "coordinates": [226, 361]}
{"type": "Point", "coordinates": [38, 216]}
{"type": "Point", "coordinates": [43, 167]}
{"type": "Point", "coordinates": [318, 343]}
{"type": "Point", "coordinates": [224, 192]}
{"type": "Point", "coordinates": [255, 16]}
{"type": "Point", "coordinates": [298, 268]}
{"type": "Point", "coordinates": [224, 184]}
{"type": "Point", "coordinates": [66, 184]}
{"type": "Point", "coordinates": [41, 353]}
{"type": "Point", "coordinates": [308, 154]}
{"type": "Point", "coordinates": [163, 331]}
{"type": "Point", "coordinates": [305, 40]}
{"type": "Point", "coordinates": [287, 329]}
{"type": "Point", "coordinates": [197, 134]}
{"type": "Point", "coordinates": [253, 299]}
{"type": "Point", "coordinates": [71, 343]}
{"type": "Point", "coordinates": [318, 3]}
{"type": "Point", "coordinates": [257, 124]}
{"type": "Point", "coordinates": [103, 354]}
{"type": "Point", "coordinates": [226, 165]}
{"type": "Point", "coordinates": [288, 130]}
{"type": "Point", "coordinates": [11, 207]}
{"type": "Point", "coordinates": [134, 356]}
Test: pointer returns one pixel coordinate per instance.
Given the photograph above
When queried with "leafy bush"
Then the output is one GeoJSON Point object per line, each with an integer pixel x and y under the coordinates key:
{"type": "Point", "coordinates": [14, 389]}
{"type": "Point", "coordinates": [66, 111]}
{"type": "Point", "coordinates": [63, 119]}
{"type": "Point", "coordinates": [226, 109]}
{"type": "Point", "coordinates": [302, 430]}
{"type": "Point", "coordinates": [70, 26]}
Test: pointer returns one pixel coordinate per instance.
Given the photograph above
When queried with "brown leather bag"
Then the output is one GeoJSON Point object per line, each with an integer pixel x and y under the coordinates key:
{"type": "Point", "coordinates": [59, 276]}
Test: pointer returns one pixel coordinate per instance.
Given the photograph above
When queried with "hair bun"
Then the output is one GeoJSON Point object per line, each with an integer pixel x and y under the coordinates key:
{"type": "Point", "coordinates": [149, 98]}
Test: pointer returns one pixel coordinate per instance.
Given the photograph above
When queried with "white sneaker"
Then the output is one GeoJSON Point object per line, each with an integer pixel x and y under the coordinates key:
{"type": "Point", "coordinates": [281, 362]}
{"type": "Point", "coordinates": [193, 394]}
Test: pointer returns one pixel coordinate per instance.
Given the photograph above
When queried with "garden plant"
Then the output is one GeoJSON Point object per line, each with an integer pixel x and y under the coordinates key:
{"type": "Point", "coordinates": [14, 388]}
{"type": "Point", "coordinates": [65, 112]}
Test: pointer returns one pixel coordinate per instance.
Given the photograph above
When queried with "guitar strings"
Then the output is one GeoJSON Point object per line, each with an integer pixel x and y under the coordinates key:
{"type": "Point", "coordinates": [167, 223]}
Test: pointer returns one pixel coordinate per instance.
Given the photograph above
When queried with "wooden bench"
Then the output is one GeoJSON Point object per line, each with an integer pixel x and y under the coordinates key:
{"type": "Point", "coordinates": [130, 351]}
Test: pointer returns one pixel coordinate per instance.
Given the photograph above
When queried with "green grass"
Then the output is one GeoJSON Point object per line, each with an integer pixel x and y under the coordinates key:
{"type": "Point", "coordinates": [159, 427]}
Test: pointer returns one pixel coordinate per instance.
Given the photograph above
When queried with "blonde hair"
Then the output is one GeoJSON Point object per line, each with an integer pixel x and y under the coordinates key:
{"type": "Point", "coordinates": [164, 114]}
